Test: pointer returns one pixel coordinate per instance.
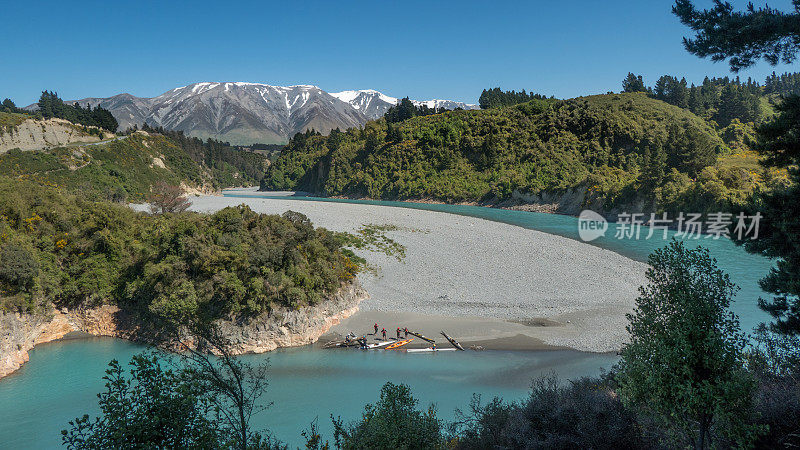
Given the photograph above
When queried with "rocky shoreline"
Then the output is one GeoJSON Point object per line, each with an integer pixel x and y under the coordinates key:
{"type": "Point", "coordinates": [282, 327]}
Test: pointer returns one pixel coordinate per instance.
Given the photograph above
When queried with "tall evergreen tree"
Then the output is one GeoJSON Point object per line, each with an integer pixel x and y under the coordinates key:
{"type": "Point", "coordinates": [633, 83]}
{"type": "Point", "coordinates": [743, 38]}
{"type": "Point", "coordinates": [50, 105]}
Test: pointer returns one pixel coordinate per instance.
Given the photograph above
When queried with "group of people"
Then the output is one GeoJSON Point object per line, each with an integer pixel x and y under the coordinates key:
{"type": "Point", "coordinates": [362, 341]}
{"type": "Point", "coordinates": [383, 331]}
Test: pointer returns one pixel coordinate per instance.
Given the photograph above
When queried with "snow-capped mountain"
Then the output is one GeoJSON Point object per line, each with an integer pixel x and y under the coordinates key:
{"type": "Point", "coordinates": [245, 113]}
{"type": "Point", "coordinates": [372, 104]}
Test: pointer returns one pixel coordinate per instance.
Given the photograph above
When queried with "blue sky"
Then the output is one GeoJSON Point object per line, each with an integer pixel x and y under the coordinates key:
{"type": "Point", "coordinates": [423, 49]}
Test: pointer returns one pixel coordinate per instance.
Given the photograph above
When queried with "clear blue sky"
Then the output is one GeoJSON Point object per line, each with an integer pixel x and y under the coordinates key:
{"type": "Point", "coordinates": [423, 49]}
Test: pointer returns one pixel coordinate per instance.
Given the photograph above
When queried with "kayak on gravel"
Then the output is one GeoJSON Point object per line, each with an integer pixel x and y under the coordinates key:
{"type": "Point", "coordinates": [422, 337]}
{"type": "Point", "coordinates": [455, 343]}
{"type": "Point", "coordinates": [377, 345]}
{"type": "Point", "coordinates": [399, 344]}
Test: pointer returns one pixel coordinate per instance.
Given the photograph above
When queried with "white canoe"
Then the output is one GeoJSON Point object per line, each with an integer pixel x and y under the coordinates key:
{"type": "Point", "coordinates": [379, 345]}
{"type": "Point", "coordinates": [428, 350]}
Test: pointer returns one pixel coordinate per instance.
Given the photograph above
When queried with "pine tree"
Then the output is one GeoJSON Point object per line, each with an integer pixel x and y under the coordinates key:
{"type": "Point", "coordinates": [633, 83]}
{"type": "Point", "coordinates": [741, 37]}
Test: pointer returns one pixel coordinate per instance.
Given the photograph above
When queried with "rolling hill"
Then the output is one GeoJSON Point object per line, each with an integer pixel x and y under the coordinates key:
{"type": "Point", "coordinates": [607, 152]}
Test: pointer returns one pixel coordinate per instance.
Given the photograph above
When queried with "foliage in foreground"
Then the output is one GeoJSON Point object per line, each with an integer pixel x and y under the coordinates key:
{"type": "Point", "coordinates": [779, 143]}
{"type": "Point", "coordinates": [585, 413]}
{"type": "Point", "coordinates": [177, 406]}
{"type": "Point", "coordinates": [155, 407]}
{"type": "Point", "coordinates": [743, 38]}
{"type": "Point", "coordinates": [393, 422]}
{"type": "Point", "coordinates": [684, 363]}
{"type": "Point", "coordinates": [62, 249]}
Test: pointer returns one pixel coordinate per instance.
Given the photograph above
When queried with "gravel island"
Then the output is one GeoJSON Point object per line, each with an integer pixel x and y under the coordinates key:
{"type": "Point", "coordinates": [482, 281]}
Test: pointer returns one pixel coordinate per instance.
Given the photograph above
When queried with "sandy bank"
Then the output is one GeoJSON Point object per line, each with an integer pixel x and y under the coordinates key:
{"type": "Point", "coordinates": [490, 276]}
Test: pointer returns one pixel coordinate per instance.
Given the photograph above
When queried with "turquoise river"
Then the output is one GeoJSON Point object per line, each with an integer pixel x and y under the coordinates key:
{"type": "Point", "coordinates": [62, 378]}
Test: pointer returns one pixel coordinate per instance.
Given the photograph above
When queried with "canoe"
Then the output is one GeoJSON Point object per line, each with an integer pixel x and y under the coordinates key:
{"type": "Point", "coordinates": [429, 350]}
{"type": "Point", "coordinates": [399, 344]}
{"type": "Point", "coordinates": [422, 337]}
{"type": "Point", "coordinates": [455, 343]}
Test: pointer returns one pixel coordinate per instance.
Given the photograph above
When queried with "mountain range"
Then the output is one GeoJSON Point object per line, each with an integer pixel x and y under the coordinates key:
{"type": "Point", "coordinates": [247, 113]}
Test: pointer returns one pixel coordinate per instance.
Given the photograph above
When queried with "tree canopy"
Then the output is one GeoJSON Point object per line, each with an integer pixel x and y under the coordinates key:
{"type": "Point", "coordinates": [741, 37]}
{"type": "Point", "coordinates": [684, 362]}
{"type": "Point", "coordinates": [633, 83]}
{"type": "Point", "coordinates": [496, 98]}
{"type": "Point", "coordinates": [58, 248]}
{"type": "Point", "coordinates": [50, 105]}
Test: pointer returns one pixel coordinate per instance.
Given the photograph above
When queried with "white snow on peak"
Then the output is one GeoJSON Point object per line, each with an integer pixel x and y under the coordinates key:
{"type": "Point", "coordinates": [346, 96]}
{"type": "Point", "coordinates": [204, 86]}
{"type": "Point", "coordinates": [350, 96]}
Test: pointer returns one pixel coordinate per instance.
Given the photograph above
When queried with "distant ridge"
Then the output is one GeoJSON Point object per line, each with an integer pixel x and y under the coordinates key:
{"type": "Point", "coordinates": [246, 113]}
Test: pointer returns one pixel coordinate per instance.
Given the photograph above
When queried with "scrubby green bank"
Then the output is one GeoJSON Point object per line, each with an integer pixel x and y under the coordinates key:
{"type": "Point", "coordinates": [9, 121]}
{"type": "Point", "coordinates": [59, 248]}
{"type": "Point", "coordinates": [128, 167]}
{"type": "Point", "coordinates": [618, 151]}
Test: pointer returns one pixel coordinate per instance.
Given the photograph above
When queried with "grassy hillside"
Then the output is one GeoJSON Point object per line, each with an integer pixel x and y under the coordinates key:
{"type": "Point", "coordinates": [623, 150]}
{"type": "Point", "coordinates": [127, 168]}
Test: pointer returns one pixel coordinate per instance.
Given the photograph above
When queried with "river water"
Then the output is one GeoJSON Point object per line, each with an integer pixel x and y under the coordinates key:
{"type": "Point", "coordinates": [61, 379]}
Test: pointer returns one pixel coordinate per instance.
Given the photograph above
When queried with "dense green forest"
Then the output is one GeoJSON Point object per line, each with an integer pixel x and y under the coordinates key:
{"type": "Point", "coordinates": [784, 84]}
{"type": "Point", "coordinates": [405, 109]}
{"type": "Point", "coordinates": [496, 98]}
{"type": "Point", "coordinates": [720, 100]}
{"type": "Point", "coordinates": [60, 248]}
{"type": "Point", "coordinates": [622, 149]}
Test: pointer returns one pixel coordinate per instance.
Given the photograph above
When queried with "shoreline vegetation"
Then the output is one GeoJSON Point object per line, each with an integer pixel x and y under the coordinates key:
{"type": "Point", "coordinates": [628, 152]}
{"type": "Point", "coordinates": [61, 252]}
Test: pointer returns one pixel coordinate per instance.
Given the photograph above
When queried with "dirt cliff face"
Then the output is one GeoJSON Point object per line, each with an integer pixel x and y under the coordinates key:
{"type": "Point", "coordinates": [282, 327]}
{"type": "Point", "coordinates": [38, 134]}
